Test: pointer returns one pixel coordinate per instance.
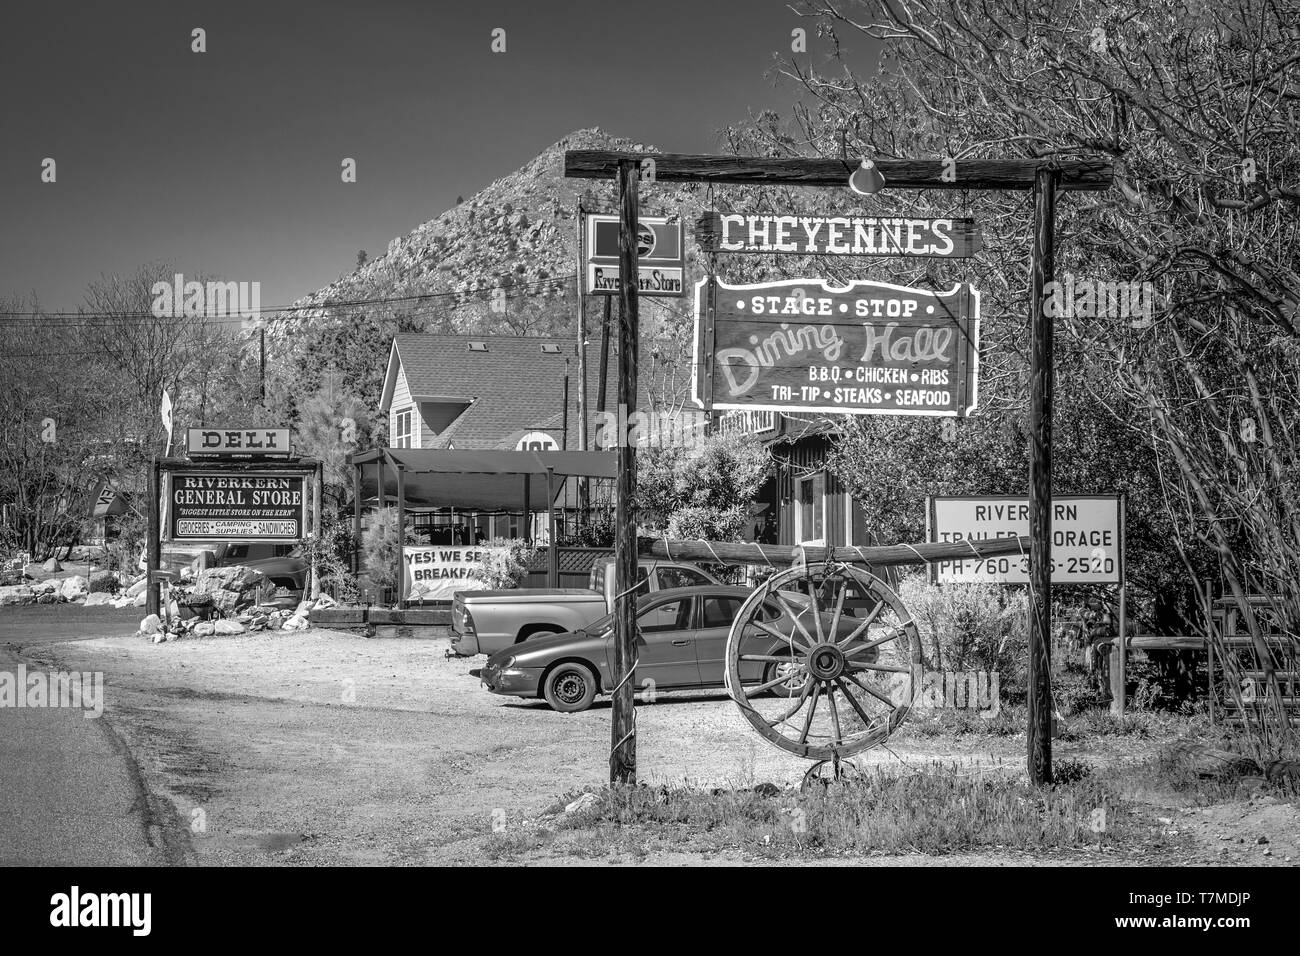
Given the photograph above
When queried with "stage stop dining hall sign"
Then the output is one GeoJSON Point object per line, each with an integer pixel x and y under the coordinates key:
{"type": "Point", "coordinates": [870, 348]}
{"type": "Point", "coordinates": [247, 507]}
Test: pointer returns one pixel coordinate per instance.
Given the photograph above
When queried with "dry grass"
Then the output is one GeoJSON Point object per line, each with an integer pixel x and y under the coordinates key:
{"type": "Point", "coordinates": [938, 810]}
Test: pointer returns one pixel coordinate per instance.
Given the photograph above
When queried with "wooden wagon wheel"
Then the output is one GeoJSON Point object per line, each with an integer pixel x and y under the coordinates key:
{"type": "Point", "coordinates": [812, 678]}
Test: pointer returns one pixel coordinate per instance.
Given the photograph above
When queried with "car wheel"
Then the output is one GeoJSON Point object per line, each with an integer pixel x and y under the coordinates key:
{"type": "Point", "coordinates": [570, 688]}
{"type": "Point", "coordinates": [791, 688]}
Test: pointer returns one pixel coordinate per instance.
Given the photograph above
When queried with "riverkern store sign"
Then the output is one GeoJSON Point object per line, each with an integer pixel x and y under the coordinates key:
{"type": "Point", "coordinates": [244, 507]}
{"type": "Point", "coordinates": [661, 262]}
{"type": "Point", "coordinates": [1087, 538]}
{"type": "Point", "coordinates": [838, 235]}
{"type": "Point", "coordinates": [869, 348]}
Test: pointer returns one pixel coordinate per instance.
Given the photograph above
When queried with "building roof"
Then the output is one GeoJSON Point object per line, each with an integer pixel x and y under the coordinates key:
{"type": "Point", "coordinates": [512, 384]}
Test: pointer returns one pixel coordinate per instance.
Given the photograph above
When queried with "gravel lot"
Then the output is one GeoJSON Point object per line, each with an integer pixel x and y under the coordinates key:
{"type": "Point", "coordinates": [325, 747]}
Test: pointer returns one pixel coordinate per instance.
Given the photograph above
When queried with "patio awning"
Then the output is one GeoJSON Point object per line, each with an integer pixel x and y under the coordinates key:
{"type": "Point", "coordinates": [486, 480]}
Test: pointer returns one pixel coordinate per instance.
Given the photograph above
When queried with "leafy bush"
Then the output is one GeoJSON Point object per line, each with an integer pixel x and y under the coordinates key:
{"type": "Point", "coordinates": [966, 627]}
{"type": "Point", "coordinates": [381, 549]}
{"type": "Point", "coordinates": [332, 552]}
{"type": "Point", "coordinates": [700, 491]}
{"type": "Point", "coordinates": [505, 562]}
{"type": "Point", "coordinates": [103, 582]}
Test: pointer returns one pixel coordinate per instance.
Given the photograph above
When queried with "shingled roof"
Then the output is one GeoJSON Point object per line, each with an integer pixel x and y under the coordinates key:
{"type": "Point", "coordinates": [513, 385]}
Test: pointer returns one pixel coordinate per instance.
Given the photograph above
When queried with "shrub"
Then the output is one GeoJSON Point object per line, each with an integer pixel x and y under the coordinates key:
{"type": "Point", "coordinates": [105, 582]}
{"type": "Point", "coordinates": [332, 552]}
{"type": "Point", "coordinates": [971, 627]}
{"type": "Point", "coordinates": [504, 562]}
{"type": "Point", "coordinates": [381, 550]}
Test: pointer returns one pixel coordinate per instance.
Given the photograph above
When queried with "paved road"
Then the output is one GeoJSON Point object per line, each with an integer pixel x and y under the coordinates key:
{"type": "Point", "coordinates": [70, 792]}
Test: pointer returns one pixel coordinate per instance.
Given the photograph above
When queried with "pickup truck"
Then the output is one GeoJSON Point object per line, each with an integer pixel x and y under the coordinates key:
{"type": "Point", "coordinates": [484, 622]}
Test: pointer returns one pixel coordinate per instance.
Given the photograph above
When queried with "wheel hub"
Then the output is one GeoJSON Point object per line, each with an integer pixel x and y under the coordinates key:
{"type": "Point", "coordinates": [825, 661]}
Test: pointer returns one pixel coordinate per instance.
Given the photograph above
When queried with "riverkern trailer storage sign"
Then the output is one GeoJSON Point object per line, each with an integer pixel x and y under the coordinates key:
{"type": "Point", "coordinates": [869, 348]}
{"type": "Point", "coordinates": [1087, 538]}
{"type": "Point", "coordinates": [256, 507]}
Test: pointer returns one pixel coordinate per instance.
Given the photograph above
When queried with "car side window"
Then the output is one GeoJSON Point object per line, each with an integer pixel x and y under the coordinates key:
{"type": "Point", "coordinates": [720, 611]}
{"type": "Point", "coordinates": [642, 581]}
{"type": "Point", "coordinates": [668, 616]}
{"type": "Point", "coordinates": [769, 611]}
{"type": "Point", "coordinates": [680, 578]}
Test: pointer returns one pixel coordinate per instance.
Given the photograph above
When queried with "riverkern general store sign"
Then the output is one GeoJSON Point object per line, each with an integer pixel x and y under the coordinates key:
{"type": "Point", "coordinates": [839, 235]}
{"type": "Point", "coordinates": [248, 507]}
{"type": "Point", "coordinates": [869, 348]}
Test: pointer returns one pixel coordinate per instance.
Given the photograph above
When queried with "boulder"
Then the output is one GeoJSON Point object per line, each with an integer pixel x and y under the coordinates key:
{"type": "Point", "coordinates": [74, 587]}
{"type": "Point", "coordinates": [103, 581]}
{"type": "Point", "coordinates": [205, 629]}
{"type": "Point", "coordinates": [98, 599]}
{"type": "Point", "coordinates": [47, 598]}
{"type": "Point", "coordinates": [295, 623]}
{"type": "Point", "coordinates": [137, 588]}
{"type": "Point", "coordinates": [52, 566]}
{"type": "Point", "coordinates": [151, 624]}
{"type": "Point", "coordinates": [18, 594]}
{"type": "Point", "coordinates": [140, 600]}
{"type": "Point", "coordinates": [323, 602]}
{"type": "Point", "coordinates": [228, 627]}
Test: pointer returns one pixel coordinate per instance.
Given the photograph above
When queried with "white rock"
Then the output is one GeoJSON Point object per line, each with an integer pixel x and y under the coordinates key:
{"type": "Point", "coordinates": [582, 803]}
{"type": "Point", "coordinates": [151, 624]}
{"type": "Point", "coordinates": [228, 627]}
{"type": "Point", "coordinates": [52, 566]}
{"type": "Point", "coordinates": [74, 587]}
{"type": "Point", "coordinates": [140, 600]}
{"type": "Point", "coordinates": [324, 601]}
{"type": "Point", "coordinates": [205, 629]}
{"type": "Point", "coordinates": [137, 588]}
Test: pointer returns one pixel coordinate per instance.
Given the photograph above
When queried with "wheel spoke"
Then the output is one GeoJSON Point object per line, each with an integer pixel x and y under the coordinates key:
{"type": "Point", "coordinates": [839, 609]}
{"type": "Point", "coordinates": [893, 635]}
{"type": "Point", "coordinates": [785, 606]}
{"type": "Point", "coordinates": [873, 692]}
{"type": "Point", "coordinates": [799, 669]}
{"type": "Point", "coordinates": [769, 658]}
{"type": "Point", "coordinates": [812, 707]}
{"type": "Point", "coordinates": [862, 628]}
{"type": "Point", "coordinates": [803, 696]}
{"type": "Point", "coordinates": [891, 668]}
{"type": "Point", "coordinates": [835, 714]}
{"type": "Point", "coordinates": [783, 638]}
{"type": "Point", "coordinates": [815, 607]}
{"type": "Point", "coordinates": [866, 719]}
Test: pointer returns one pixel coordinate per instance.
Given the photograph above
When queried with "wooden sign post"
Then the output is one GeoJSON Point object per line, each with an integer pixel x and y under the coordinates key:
{"type": "Point", "coordinates": [1042, 176]}
{"type": "Point", "coordinates": [622, 755]}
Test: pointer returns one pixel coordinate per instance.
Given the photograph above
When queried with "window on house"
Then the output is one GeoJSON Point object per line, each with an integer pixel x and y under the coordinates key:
{"type": "Point", "coordinates": [810, 512]}
{"type": "Point", "coordinates": [402, 429]}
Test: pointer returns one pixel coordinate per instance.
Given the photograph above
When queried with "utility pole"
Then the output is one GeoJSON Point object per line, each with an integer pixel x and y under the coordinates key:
{"type": "Point", "coordinates": [262, 350]}
{"type": "Point", "coordinates": [622, 756]}
{"type": "Point", "coordinates": [604, 352]}
{"type": "Point", "coordinates": [1042, 269]}
{"type": "Point", "coordinates": [584, 500]}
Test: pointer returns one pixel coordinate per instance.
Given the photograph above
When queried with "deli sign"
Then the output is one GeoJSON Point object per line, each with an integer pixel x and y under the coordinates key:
{"type": "Point", "coordinates": [238, 441]}
{"type": "Point", "coordinates": [869, 348]}
{"type": "Point", "coordinates": [243, 507]}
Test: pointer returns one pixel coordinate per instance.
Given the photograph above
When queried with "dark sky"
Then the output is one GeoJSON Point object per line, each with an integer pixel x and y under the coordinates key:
{"type": "Point", "coordinates": [228, 162]}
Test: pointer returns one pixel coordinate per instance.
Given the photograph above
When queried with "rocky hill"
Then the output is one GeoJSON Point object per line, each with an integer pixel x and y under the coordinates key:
{"type": "Point", "coordinates": [517, 234]}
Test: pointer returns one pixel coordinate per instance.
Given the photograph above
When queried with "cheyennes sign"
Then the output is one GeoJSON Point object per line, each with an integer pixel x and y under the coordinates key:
{"type": "Point", "coordinates": [661, 262]}
{"type": "Point", "coordinates": [839, 235]}
{"type": "Point", "coordinates": [248, 507]}
{"type": "Point", "coordinates": [869, 348]}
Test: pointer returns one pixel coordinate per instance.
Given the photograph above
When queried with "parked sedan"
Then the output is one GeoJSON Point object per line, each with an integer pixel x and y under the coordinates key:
{"type": "Point", "coordinates": [681, 644]}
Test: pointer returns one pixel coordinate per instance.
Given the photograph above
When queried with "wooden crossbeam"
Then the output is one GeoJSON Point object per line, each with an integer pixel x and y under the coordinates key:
{"type": "Point", "coordinates": [1076, 175]}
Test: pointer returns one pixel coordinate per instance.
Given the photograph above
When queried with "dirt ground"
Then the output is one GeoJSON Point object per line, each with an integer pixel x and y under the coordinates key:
{"type": "Point", "coordinates": [325, 747]}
